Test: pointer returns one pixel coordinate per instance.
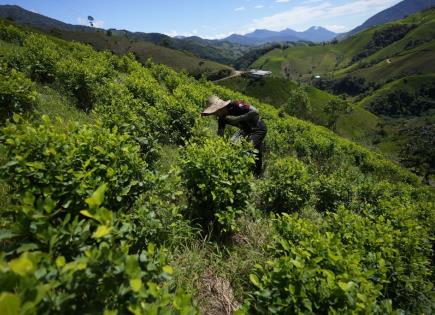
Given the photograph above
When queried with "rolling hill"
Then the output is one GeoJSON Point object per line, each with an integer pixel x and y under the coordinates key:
{"type": "Point", "coordinates": [370, 64]}
{"type": "Point", "coordinates": [215, 50]}
{"type": "Point", "coordinates": [409, 53]}
{"type": "Point", "coordinates": [396, 12]}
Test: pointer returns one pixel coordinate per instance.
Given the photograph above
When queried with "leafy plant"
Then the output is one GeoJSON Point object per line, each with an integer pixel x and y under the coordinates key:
{"type": "Point", "coordinates": [298, 104]}
{"type": "Point", "coordinates": [17, 93]}
{"type": "Point", "coordinates": [81, 77]}
{"type": "Point", "coordinates": [288, 187]}
{"type": "Point", "coordinates": [313, 272]}
{"type": "Point", "coordinates": [217, 176]}
{"type": "Point", "coordinates": [44, 164]}
{"type": "Point", "coordinates": [102, 276]}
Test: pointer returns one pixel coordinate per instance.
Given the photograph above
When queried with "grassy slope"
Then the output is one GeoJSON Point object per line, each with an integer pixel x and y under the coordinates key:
{"type": "Point", "coordinates": [269, 90]}
{"type": "Point", "coordinates": [176, 59]}
{"type": "Point", "coordinates": [276, 91]}
{"type": "Point", "coordinates": [393, 141]}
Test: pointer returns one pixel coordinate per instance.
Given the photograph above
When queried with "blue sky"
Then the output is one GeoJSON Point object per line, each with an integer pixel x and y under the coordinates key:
{"type": "Point", "coordinates": [209, 18]}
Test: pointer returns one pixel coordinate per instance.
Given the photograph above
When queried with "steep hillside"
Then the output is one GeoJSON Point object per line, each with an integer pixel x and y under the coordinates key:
{"type": "Point", "coordinates": [396, 12]}
{"type": "Point", "coordinates": [365, 67]}
{"type": "Point", "coordinates": [385, 52]}
{"type": "Point", "coordinates": [144, 50]}
{"type": "Point", "coordinates": [216, 50]}
{"type": "Point", "coordinates": [118, 197]}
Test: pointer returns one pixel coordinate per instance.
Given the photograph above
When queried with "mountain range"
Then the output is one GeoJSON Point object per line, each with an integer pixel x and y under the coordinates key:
{"type": "Point", "coordinates": [225, 50]}
{"type": "Point", "coordinates": [258, 37]}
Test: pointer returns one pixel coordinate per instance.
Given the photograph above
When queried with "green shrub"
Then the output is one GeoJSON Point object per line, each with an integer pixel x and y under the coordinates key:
{"type": "Point", "coordinates": [178, 114]}
{"type": "Point", "coordinates": [11, 34]}
{"type": "Point", "coordinates": [217, 176]}
{"type": "Point", "coordinates": [117, 108]}
{"type": "Point", "coordinates": [103, 275]}
{"type": "Point", "coordinates": [384, 245]}
{"type": "Point", "coordinates": [334, 190]}
{"type": "Point", "coordinates": [81, 76]}
{"type": "Point", "coordinates": [17, 93]}
{"type": "Point", "coordinates": [298, 104]}
{"type": "Point", "coordinates": [45, 163]}
{"type": "Point", "coordinates": [40, 57]}
{"type": "Point", "coordinates": [314, 273]}
{"type": "Point", "coordinates": [395, 249]}
{"type": "Point", "coordinates": [288, 187]}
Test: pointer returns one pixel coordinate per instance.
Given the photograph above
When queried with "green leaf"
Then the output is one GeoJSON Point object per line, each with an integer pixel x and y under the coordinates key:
{"type": "Point", "coordinates": [255, 281]}
{"type": "Point", "coordinates": [297, 263]}
{"type": "Point", "coordinates": [86, 213]}
{"type": "Point", "coordinates": [49, 205]}
{"type": "Point", "coordinates": [22, 265]}
{"type": "Point", "coordinates": [60, 261]}
{"type": "Point", "coordinates": [10, 304]}
{"type": "Point", "coordinates": [168, 269]}
{"type": "Point", "coordinates": [345, 286]}
{"type": "Point", "coordinates": [97, 197]}
{"type": "Point", "coordinates": [5, 235]}
{"type": "Point", "coordinates": [136, 284]}
{"type": "Point", "coordinates": [102, 231]}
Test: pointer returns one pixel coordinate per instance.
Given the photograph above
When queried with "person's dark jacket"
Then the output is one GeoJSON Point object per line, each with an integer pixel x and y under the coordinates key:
{"type": "Point", "coordinates": [244, 116]}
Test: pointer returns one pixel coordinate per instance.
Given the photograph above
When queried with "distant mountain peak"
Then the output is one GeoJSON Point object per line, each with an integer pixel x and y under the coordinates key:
{"type": "Point", "coordinates": [263, 36]}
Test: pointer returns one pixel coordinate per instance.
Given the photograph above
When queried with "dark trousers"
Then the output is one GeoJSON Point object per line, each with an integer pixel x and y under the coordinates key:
{"type": "Point", "coordinates": [256, 135]}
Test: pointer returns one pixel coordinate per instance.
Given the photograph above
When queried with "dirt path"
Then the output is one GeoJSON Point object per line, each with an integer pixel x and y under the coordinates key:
{"type": "Point", "coordinates": [235, 74]}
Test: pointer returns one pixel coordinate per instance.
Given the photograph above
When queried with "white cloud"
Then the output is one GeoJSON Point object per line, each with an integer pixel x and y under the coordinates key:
{"type": "Point", "coordinates": [337, 28]}
{"type": "Point", "coordinates": [282, 1]}
{"type": "Point", "coordinates": [240, 9]}
{"type": "Point", "coordinates": [259, 6]}
{"type": "Point", "coordinates": [219, 36]}
{"type": "Point", "coordinates": [312, 13]}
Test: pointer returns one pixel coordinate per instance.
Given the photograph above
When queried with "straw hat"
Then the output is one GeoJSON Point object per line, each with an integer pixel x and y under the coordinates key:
{"type": "Point", "coordinates": [214, 105]}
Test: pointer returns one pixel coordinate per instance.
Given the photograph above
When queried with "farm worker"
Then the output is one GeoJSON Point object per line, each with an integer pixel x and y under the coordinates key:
{"type": "Point", "coordinates": [244, 116]}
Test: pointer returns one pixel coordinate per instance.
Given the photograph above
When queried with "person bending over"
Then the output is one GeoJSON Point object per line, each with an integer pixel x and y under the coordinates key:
{"type": "Point", "coordinates": [244, 116]}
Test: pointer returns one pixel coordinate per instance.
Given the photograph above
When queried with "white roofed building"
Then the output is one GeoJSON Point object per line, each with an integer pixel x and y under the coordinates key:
{"type": "Point", "coordinates": [259, 73]}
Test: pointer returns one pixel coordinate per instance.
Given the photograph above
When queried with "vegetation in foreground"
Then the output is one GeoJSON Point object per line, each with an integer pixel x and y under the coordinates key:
{"type": "Point", "coordinates": [110, 202]}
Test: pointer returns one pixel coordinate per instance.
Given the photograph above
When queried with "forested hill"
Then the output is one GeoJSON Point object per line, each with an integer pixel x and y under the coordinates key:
{"type": "Point", "coordinates": [117, 197]}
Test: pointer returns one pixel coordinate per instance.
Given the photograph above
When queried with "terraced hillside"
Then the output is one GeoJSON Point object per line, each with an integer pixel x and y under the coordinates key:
{"type": "Point", "coordinates": [118, 197]}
